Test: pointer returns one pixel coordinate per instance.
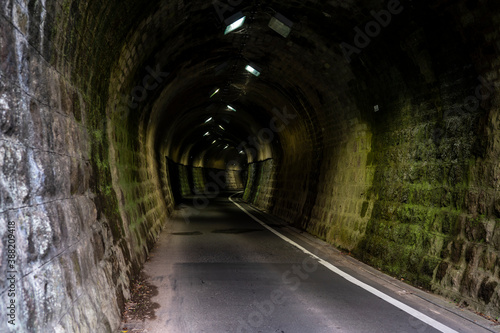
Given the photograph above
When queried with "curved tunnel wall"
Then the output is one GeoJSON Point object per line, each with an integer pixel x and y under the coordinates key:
{"type": "Point", "coordinates": [89, 90]}
{"type": "Point", "coordinates": [81, 233]}
{"type": "Point", "coordinates": [411, 188]}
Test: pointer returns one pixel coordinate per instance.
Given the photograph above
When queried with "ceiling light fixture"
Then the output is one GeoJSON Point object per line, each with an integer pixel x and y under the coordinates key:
{"type": "Point", "coordinates": [281, 25]}
{"type": "Point", "coordinates": [253, 69]}
{"type": "Point", "coordinates": [208, 120]}
{"type": "Point", "coordinates": [222, 128]}
{"type": "Point", "coordinates": [215, 92]}
{"type": "Point", "coordinates": [206, 134]}
{"type": "Point", "coordinates": [231, 108]}
{"type": "Point", "coordinates": [234, 22]}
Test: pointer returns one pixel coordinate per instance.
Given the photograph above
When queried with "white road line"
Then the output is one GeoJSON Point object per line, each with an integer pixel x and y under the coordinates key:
{"type": "Point", "coordinates": [417, 314]}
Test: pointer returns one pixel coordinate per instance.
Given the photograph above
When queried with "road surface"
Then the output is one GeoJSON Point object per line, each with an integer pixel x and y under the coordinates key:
{"type": "Point", "coordinates": [218, 269]}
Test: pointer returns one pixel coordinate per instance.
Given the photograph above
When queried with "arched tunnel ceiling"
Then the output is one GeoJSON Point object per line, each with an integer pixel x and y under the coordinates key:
{"type": "Point", "coordinates": [380, 153]}
{"type": "Point", "coordinates": [187, 41]}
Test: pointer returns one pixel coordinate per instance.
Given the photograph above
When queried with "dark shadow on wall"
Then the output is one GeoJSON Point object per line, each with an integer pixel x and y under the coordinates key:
{"type": "Point", "coordinates": [174, 178]}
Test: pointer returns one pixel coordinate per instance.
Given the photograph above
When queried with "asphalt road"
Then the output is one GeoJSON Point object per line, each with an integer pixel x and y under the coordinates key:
{"type": "Point", "coordinates": [220, 270]}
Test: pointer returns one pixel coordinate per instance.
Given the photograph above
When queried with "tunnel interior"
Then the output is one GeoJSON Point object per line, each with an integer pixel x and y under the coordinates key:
{"type": "Point", "coordinates": [373, 125]}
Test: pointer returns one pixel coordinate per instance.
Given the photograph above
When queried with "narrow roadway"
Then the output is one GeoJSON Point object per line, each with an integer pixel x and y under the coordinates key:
{"type": "Point", "coordinates": [222, 271]}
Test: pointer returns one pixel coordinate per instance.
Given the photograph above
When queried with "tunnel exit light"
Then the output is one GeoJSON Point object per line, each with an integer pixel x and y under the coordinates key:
{"type": "Point", "coordinates": [253, 69]}
{"type": "Point", "coordinates": [281, 25]}
{"type": "Point", "coordinates": [234, 22]}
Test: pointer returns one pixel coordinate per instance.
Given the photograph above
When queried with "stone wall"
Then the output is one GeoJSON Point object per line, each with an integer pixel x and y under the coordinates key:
{"type": "Point", "coordinates": [408, 159]}
{"type": "Point", "coordinates": [342, 208]}
{"type": "Point", "coordinates": [411, 189]}
{"type": "Point", "coordinates": [81, 233]}
{"type": "Point", "coordinates": [202, 181]}
{"type": "Point", "coordinates": [235, 180]}
{"type": "Point", "coordinates": [260, 184]}
{"type": "Point", "coordinates": [434, 156]}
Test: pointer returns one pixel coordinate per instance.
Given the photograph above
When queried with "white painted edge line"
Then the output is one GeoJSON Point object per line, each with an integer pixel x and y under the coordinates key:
{"type": "Point", "coordinates": [411, 311]}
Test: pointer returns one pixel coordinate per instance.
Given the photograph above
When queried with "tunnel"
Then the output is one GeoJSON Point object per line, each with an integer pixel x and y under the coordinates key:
{"type": "Point", "coordinates": [371, 125]}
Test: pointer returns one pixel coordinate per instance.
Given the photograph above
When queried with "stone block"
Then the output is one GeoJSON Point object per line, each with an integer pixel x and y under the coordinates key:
{"type": "Point", "coordinates": [14, 175]}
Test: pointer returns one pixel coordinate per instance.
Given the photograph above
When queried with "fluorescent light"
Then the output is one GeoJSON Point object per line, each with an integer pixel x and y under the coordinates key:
{"type": "Point", "coordinates": [215, 92]}
{"type": "Point", "coordinates": [231, 108]}
{"type": "Point", "coordinates": [235, 25]}
{"type": "Point", "coordinates": [227, 146]}
{"type": "Point", "coordinates": [252, 70]}
{"type": "Point", "coordinates": [222, 128]}
{"type": "Point", "coordinates": [206, 134]}
{"type": "Point", "coordinates": [281, 25]}
{"type": "Point", "coordinates": [208, 120]}
{"type": "Point", "coordinates": [234, 22]}
{"type": "Point", "coordinates": [214, 141]}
